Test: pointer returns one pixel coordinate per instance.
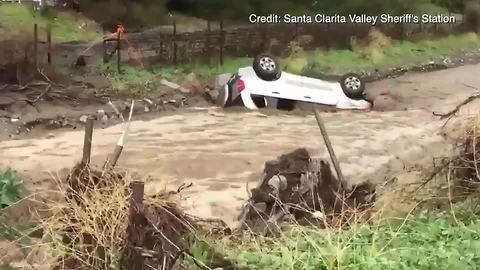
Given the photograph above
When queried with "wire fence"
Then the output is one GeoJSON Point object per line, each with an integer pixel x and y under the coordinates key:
{"type": "Point", "coordinates": [244, 41]}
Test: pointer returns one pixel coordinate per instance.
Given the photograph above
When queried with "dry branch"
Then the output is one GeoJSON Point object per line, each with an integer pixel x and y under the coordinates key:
{"type": "Point", "coordinates": [111, 162]}
{"type": "Point", "coordinates": [457, 108]}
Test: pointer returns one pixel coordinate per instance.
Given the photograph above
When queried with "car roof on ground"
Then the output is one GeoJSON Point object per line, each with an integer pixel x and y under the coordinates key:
{"type": "Point", "coordinates": [247, 72]}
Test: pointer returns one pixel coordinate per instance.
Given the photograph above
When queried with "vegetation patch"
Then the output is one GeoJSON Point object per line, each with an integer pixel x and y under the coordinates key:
{"type": "Point", "coordinates": [400, 53]}
{"type": "Point", "coordinates": [66, 26]}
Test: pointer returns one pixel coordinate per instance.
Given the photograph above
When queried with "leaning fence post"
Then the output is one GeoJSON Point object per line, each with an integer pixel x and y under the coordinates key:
{"type": "Point", "coordinates": [35, 45]}
{"type": "Point", "coordinates": [333, 157]}
{"type": "Point", "coordinates": [87, 143]}
{"type": "Point", "coordinates": [222, 40]}
{"type": "Point", "coordinates": [134, 259]}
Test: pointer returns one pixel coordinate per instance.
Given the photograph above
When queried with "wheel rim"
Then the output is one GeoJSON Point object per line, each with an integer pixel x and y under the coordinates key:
{"type": "Point", "coordinates": [353, 83]}
{"type": "Point", "coordinates": [267, 64]}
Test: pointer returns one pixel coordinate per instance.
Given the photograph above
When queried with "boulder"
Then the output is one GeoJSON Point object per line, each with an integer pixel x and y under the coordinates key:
{"type": "Point", "coordinates": [222, 79]}
{"type": "Point", "coordinates": [192, 84]}
{"type": "Point", "coordinates": [96, 81]}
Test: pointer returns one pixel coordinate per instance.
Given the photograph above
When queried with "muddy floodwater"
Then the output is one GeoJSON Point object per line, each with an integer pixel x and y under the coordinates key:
{"type": "Point", "coordinates": [221, 151]}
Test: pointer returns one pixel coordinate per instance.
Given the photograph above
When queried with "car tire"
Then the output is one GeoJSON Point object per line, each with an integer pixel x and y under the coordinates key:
{"type": "Point", "coordinates": [266, 67]}
{"type": "Point", "coordinates": [353, 86]}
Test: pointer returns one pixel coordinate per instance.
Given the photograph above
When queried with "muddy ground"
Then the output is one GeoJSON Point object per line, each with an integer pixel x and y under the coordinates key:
{"type": "Point", "coordinates": [220, 151]}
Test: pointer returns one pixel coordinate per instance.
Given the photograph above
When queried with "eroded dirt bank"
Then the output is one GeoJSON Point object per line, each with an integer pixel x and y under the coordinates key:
{"type": "Point", "coordinates": [220, 151]}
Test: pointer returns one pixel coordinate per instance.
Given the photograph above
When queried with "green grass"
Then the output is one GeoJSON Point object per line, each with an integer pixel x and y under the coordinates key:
{"type": "Point", "coordinates": [11, 188]}
{"type": "Point", "coordinates": [17, 19]}
{"type": "Point", "coordinates": [230, 65]}
{"type": "Point", "coordinates": [399, 54]}
{"type": "Point", "coordinates": [142, 83]}
{"type": "Point", "coordinates": [318, 61]}
{"type": "Point", "coordinates": [425, 241]}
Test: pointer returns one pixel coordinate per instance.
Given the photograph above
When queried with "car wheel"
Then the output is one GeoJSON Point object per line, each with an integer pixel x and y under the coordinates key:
{"type": "Point", "coordinates": [266, 67]}
{"type": "Point", "coordinates": [353, 86]}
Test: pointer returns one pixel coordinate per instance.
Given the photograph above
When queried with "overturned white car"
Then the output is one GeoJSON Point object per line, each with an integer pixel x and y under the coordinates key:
{"type": "Point", "coordinates": [264, 85]}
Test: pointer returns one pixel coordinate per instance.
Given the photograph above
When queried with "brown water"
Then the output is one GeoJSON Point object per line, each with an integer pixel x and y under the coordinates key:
{"type": "Point", "coordinates": [220, 152]}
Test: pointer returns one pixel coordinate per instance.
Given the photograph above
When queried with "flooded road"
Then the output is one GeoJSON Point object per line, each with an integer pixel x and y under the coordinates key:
{"type": "Point", "coordinates": [221, 151]}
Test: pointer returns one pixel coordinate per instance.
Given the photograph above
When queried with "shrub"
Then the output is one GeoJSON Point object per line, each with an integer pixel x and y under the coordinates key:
{"type": "Point", "coordinates": [11, 188]}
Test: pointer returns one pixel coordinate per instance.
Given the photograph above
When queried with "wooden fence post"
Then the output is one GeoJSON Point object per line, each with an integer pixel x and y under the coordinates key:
{"type": "Point", "coordinates": [328, 144]}
{"type": "Point", "coordinates": [296, 31]}
{"type": "Point", "coordinates": [222, 40]}
{"type": "Point", "coordinates": [35, 45]}
{"type": "Point", "coordinates": [161, 47]}
{"type": "Point", "coordinates": [134, 259]}
{"type": "Point", "coordinates": [104, 47]}
{"type": "Point", "coordinates": [119, 52]}
{"type": "Point", "coordinates": [209, 52]}
{"type": "Point", "coordinates": [174, 42]}
{"type": "Point", "coordinates": [49, 44]}
{"type": "Point", "coordinates": [328, 35]}
{"type": "Point", "coordinates": [87, 143]}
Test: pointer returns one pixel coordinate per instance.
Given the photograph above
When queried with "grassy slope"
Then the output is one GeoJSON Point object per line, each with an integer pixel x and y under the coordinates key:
{"type": "Point", "coordinates": [308, 63]}
{"type": "Point", "coordinates": [400, 53]}
{"type": "Point", "coordinates": [423, 242]}
{"type": "Point", "coordinates": [16, 19]}
{"type": "Point", "coordinates": [429, 240]}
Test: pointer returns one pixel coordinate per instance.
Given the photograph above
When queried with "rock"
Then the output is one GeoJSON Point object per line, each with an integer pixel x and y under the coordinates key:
{"type": "Point", "coordinates": [19, 107]}
{"type": "Point", "coordinates": [179, 97]}
{"type": "Point", "coordinates": [191, 76]}
{"type": "Point", "coordinates": [83, 118]}
{"type": "Point", "coordinates": [174, 86]}
{"type": "Point", "coordinates": [222, 79]}
{"type": "Point", "coordinates": [121, 105]}
{"type": "Point", "coordinates": [213, 94]}
{"type": "Point", "coordinates": [192, 84]}
{"type": "Point", "coordinates": [98, 82]}
{"type": "Point", "coordinates": [85, 93]}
